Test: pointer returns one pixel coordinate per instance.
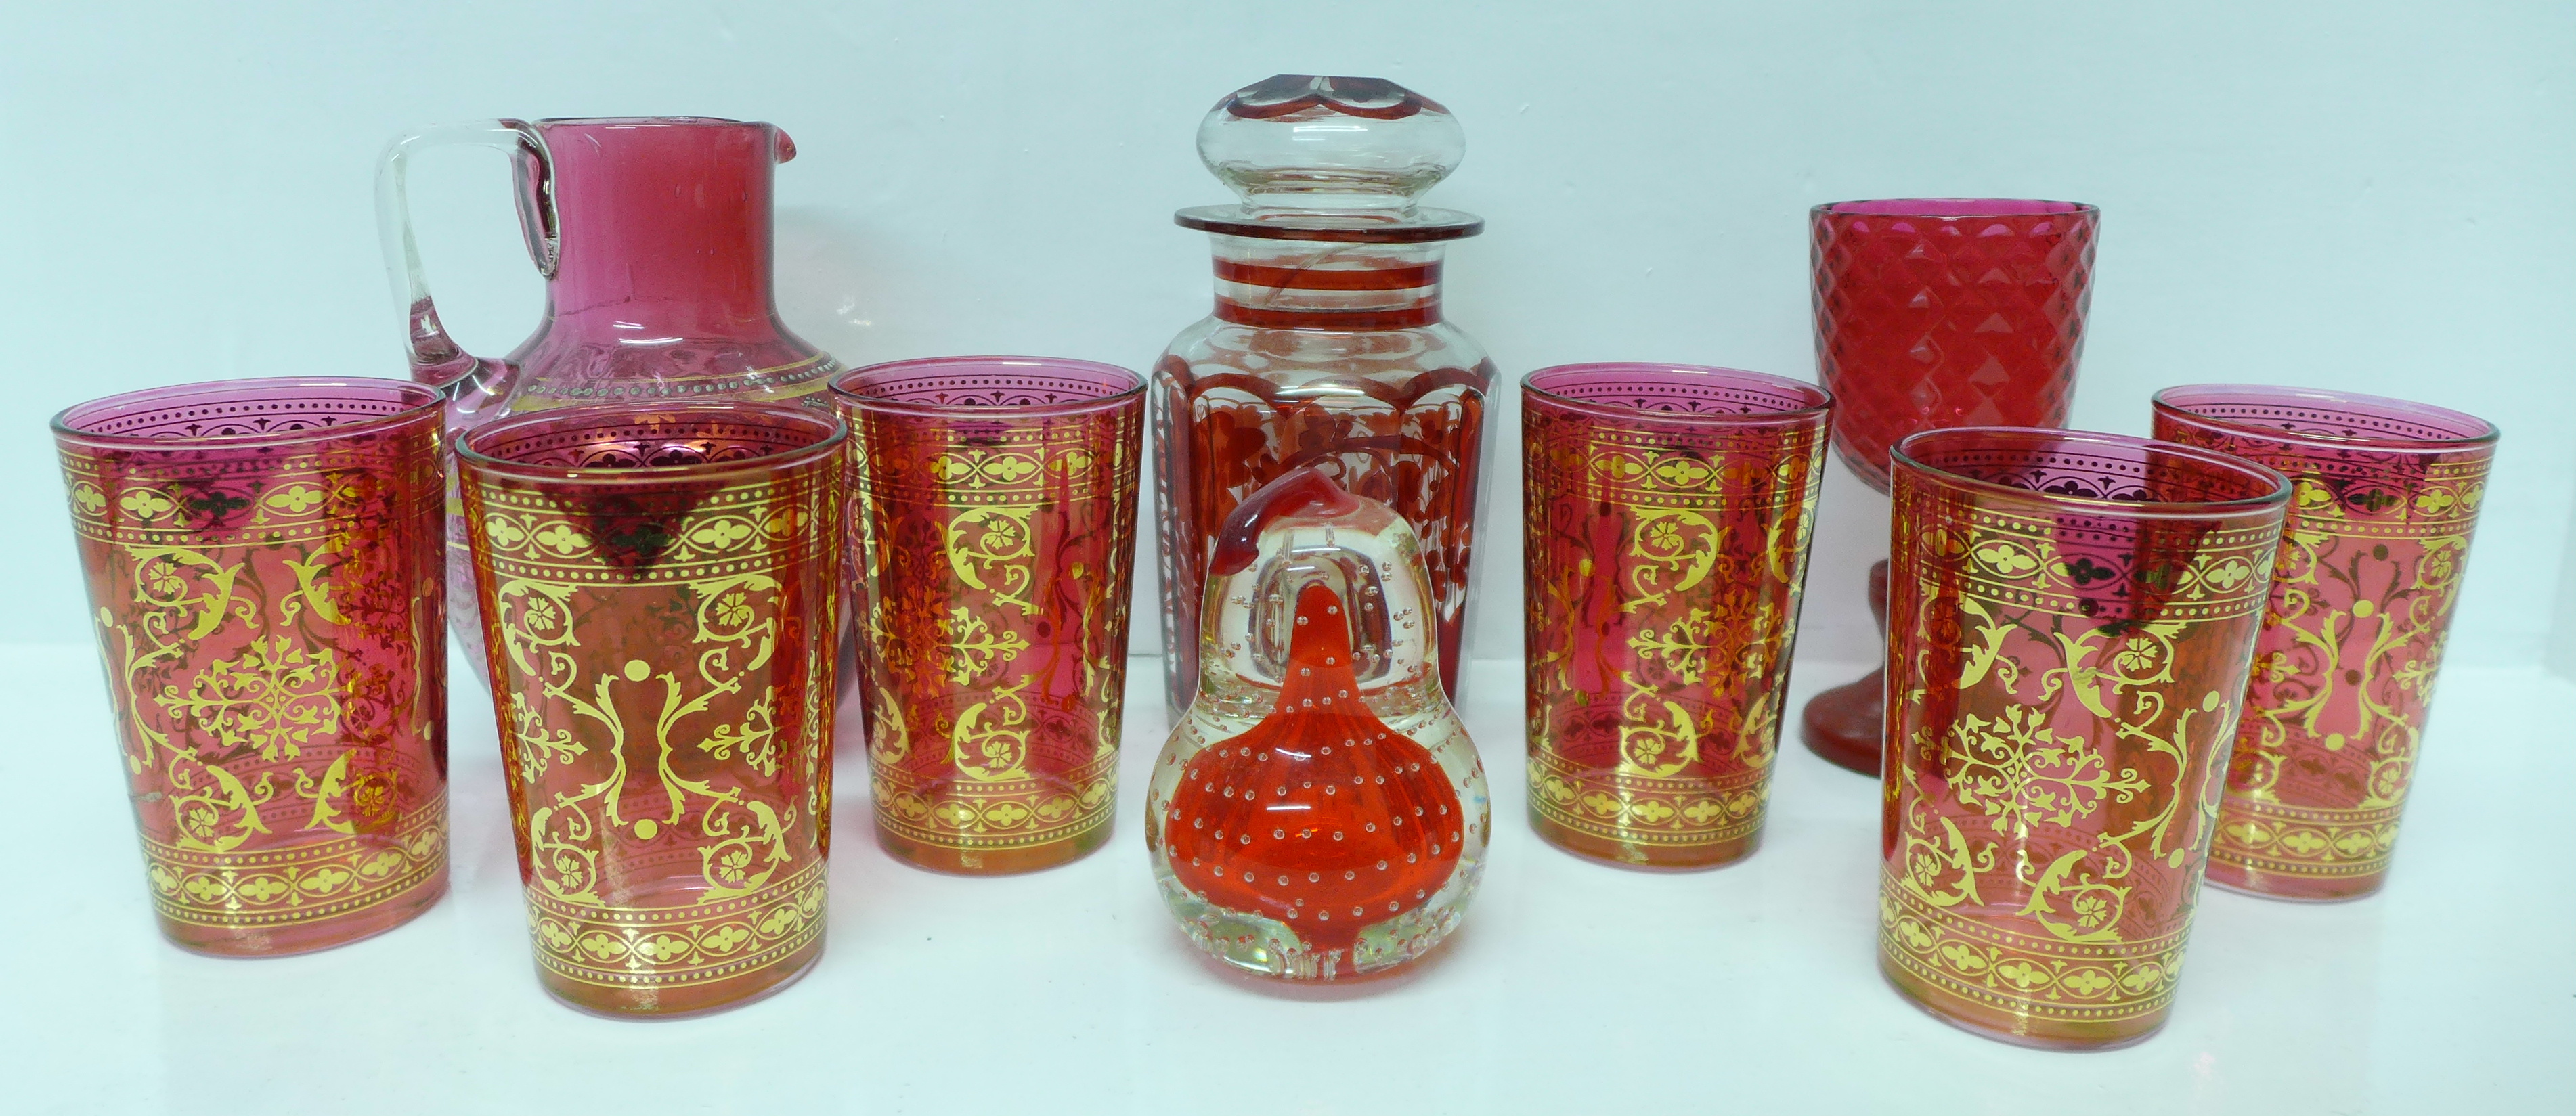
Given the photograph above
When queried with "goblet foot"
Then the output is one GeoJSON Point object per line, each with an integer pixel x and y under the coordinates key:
{"type": "Point", "coordinates": [1846, 724]}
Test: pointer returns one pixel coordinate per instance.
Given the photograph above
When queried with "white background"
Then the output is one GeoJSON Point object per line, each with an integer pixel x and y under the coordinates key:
{"type": "Point", "coordinates": [2371, 196]}
{"type": "Point", "coordinates": [2365, 195]}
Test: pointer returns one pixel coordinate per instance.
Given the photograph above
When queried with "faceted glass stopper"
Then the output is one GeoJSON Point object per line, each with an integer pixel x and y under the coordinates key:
{"type": "Point", "coordinates": [1298, 143]}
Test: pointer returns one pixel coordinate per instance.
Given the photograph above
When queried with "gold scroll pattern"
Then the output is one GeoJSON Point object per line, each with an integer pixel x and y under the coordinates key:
{"type": "Point", "coordinates": [965, 645]}
{"type": "Point", "coordinates": [670, 805]}
{"type": "Point", "coordinates": [647, 947]}
{"type": "Point", "coordinates": [2343, 672]}
{"type": "Point", "coordinates": [2058, 783]}
{"type": "Point", "coordinates": [1005, 814]}
{"type": "Point", "coordinates": [2044, 977]}
{"type": "Point", "coordinates": [221, 620]}
{"type": "Point", "coordinates": [312, 881]}
{"type": "Point", "coordinates": [1703, 614]}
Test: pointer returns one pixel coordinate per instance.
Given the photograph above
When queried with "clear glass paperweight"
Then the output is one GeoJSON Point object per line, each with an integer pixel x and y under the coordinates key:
{"type": "Point", "coordinates": [1319, 812]}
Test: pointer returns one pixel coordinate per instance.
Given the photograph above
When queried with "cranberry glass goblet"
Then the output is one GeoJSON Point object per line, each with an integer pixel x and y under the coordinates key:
{"type": "Point", "coordinates": [1932, 313]}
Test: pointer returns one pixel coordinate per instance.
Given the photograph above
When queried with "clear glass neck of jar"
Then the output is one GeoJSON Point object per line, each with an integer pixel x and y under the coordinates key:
{"type": "Point", "coordinates": [1319, 284]}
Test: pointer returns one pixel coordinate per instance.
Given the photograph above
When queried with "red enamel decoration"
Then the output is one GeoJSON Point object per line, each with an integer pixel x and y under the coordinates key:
{"type": "Point", "coordinates": [1318, 816]}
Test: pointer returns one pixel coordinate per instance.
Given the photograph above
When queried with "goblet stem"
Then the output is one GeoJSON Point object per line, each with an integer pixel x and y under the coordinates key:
{"type": "Point", "coordinates": [1846, 725]}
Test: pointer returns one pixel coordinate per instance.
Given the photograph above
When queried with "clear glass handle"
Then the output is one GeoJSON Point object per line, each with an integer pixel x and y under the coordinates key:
{"type": "Point", "coordinates": [436, 359]}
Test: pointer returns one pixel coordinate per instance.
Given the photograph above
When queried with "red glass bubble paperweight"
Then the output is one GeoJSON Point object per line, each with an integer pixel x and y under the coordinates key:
{"type": "Point", "coordinates": [1319, 813]}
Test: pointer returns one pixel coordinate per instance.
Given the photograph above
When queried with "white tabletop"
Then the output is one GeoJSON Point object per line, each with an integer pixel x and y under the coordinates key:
{"type": "Point", "coordinates": [1571, 988]}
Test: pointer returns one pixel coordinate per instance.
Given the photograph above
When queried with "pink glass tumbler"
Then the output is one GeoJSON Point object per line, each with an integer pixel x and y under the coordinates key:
{"type": "Point", "coordinates": [1668, 511]}
{"type": "Point", "coordinates": [660, 586]}
{"type": "Point", "coordinates": [993, 530]}
{"type": "Point", "coordinates": [263, 560]}
{"type": "Point", "coordinates": [2070, 621]}
{"type": "Point", "coordinates": [2386, 497]}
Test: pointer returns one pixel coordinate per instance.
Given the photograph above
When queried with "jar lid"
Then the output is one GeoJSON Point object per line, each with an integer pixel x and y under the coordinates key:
{"type": "Point", "coordinates": [1330, 158]}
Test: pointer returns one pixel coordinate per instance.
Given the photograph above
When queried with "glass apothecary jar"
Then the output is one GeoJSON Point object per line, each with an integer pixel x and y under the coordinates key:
{"type": "Point", "coordinates": [1326, 346]}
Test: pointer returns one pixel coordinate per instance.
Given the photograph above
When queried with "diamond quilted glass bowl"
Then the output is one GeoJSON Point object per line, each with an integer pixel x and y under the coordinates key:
{"type": "Point", "coordinates": [1939, 312]}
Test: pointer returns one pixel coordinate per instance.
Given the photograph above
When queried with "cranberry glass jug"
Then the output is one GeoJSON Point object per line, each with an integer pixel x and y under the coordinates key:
{"type": "Point", "coordinates": [1320, 811]}
{"type": "Point", "coordinates": [653, 234]}
{"type": "Point", "coordinates": [1327, 346]}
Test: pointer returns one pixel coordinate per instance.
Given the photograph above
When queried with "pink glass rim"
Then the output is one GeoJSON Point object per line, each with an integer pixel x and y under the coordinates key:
{"type": "Point", "coordinates": [824, 434]}
{"type": "Point", "coordinates": [1800, 403]}
{"type": "Point", "coordinates": [2272, 489]}
{"type": "Point", "coordinates": [1114, 386]}
{"type": "Point", "coordinates": [78, 424]}
{"type": "Point", "coordinates": [2200, 404]}
{"type": "Point", "coordinates": [1945, 209]}
{"type": "Point", "coordinates": [649, 121]}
